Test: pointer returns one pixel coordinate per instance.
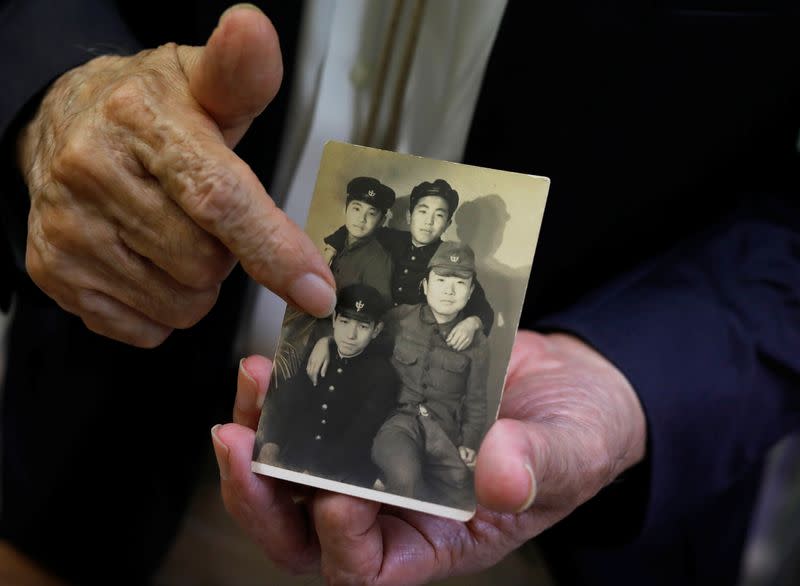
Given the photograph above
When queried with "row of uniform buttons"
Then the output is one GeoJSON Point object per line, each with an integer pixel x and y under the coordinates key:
{"type": "Point", "coordinates": [405, 272]}
{"type": "Point", "coordinates": [323, 421]}
{"type": "Point", "coordinates": [325, 405]}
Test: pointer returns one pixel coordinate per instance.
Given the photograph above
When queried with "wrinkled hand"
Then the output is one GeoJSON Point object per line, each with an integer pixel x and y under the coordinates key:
{"type": "Point", "coordinates": [139, 207]}
{"type": "Point", "coordinates": [460, 337]}
{"type": "Point", "coordinates": [318, 360]}
{"type": "Point", "coordinates": [569, 424]}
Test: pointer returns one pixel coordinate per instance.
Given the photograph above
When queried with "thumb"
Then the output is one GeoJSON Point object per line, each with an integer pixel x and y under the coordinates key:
{"type": "Point", "coordinates": [236, 75]}
{"type": "Point", "coordinates": [505, 477]}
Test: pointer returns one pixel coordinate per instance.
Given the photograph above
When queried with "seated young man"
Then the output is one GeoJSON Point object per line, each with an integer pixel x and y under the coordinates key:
{"type": "Point", "coordinates": [355, 256]}
{"type": "Point", "coordinates": [327, 430]}
{"type": "Point", "coordinates": [427, 448]}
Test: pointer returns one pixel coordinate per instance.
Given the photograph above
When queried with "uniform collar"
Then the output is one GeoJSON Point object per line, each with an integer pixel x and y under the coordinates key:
{"type": "Point", "coordinates": [359, 244]}
{"type": "Point", "coordinates": [334, 352]}
{"type": "Point", "coordinates": [426, 315]}
{"type": "Point", "coordinates": [425, 247]}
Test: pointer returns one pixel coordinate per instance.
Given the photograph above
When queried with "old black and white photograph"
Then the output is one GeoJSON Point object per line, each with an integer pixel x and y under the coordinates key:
{"type": "Point", "coordinates": [389, 398]}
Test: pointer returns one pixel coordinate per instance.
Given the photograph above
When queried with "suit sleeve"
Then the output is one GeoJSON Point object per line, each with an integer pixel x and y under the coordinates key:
{"type": "Point", "coordinates": [709, 337]}
{"type": "Point", "coordinates": [40, 40]}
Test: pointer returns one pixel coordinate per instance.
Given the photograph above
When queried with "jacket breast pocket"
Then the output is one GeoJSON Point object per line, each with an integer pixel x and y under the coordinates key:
{"type": "Point", "coordinates": [456, 363]}
{"type": "Point", "coordinates": [405, 353]}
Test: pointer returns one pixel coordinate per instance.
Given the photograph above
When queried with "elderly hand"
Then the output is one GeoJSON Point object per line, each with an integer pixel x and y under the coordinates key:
{"type": "Point", "coordinates": [139, 207]}
{"type": "Point", "coordinates": [569, 424]}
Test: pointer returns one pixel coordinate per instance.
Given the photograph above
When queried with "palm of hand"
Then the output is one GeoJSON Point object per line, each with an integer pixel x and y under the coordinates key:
{"type": "Point", "coordinates": [569, 423]}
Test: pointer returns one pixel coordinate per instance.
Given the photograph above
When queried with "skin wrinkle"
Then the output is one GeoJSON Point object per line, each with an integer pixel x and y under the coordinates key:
{"type": "Point", "coordinates": [121, 114]}
{"type": "Point", "coordinates": [129, 106]}
{"type": "Point", "coordinates": [567, 473]}
{"type": "Point", "coordinates": [183, 182]}
{"type": "Point", "coordinates": [42, 258]}
{"type": "Point", "coordinates": [256, 516]}
{"type": "Point", "coordinates": [487, 535]}
{"type": "Point", "coordinates": [217, 199]}
{"type": "Point", "coordinates": [273, 246]}
{"type": "Point", "coordinates": [210, 261]}
{"type": "Point", "coordinates": [100, 307]}
{"type": "Point", "coordinates": [566, 417]}
{"type": "Point", "coordinates": [136, 270]}
{"type": "Point", "coordinates": [330, 518]}
{"type": "Point", "coordinates": [118, 260]}
{"type": "Point", "coordinates": [236, 500]}
{"type": "Point", "coordinates": [435, 547]}
{"type": "Point", "coordinates": [268, 74]}
{"type": "Point", "coordinates": [74, 159]}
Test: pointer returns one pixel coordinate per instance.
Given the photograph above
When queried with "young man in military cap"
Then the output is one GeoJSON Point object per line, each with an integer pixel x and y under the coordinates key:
{"type": "Point", "coordinates": [355, 256]}
{"type": "Point", "coordinates": [431, 208]}
{"type": "Point", "coordinates": [327, 430]}
{"type": "Point", "coordinates": [427, 448]}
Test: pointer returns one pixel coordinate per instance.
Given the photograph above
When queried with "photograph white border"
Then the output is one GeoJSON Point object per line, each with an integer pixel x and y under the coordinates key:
{"type": "Point", "coordinates": [523, 198]}
{"type": "Point", "coordinates": [308, 479]}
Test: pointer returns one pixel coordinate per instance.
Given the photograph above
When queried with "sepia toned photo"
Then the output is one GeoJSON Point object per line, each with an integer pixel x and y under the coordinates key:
{"type": "Point", "coordinates": [389, 398]}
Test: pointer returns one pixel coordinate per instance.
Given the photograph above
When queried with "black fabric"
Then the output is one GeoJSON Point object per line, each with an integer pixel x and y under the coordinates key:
{"type": "Point", "coordinates": [40, 41]}
{"type": "Point", "coordinates": [670, 243]}
{"type": "Point", "coordinates": [102, 443]}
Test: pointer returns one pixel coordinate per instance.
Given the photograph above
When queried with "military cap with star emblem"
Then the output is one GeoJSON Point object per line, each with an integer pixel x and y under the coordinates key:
{"type": "Point", "coordinates": [371, 191]}
{"type": "Point", "coordinates": [438, 188]}
{"type": "Point", "coordinates": [453, 259]}
{"type": "Point", "coordinates": [361, 302]}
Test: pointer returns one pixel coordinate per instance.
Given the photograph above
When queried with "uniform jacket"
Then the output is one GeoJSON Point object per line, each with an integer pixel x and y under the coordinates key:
{"type": "Point", "coordinates": [328, 429]}
{"type": "Point", "coordinates": [365, 262]}
{"type": "Point", "coordinates": [670, 243]}
{"type": "Point", "coordinates": [450, 384]}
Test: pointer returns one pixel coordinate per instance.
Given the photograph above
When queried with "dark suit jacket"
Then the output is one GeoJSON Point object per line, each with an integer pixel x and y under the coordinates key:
{"type": "Point", "coordinates": [671, 243]}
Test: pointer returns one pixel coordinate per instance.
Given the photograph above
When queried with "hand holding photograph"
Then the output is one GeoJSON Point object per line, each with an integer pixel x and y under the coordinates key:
{"type": "Point", "coordinates": [390, 397]}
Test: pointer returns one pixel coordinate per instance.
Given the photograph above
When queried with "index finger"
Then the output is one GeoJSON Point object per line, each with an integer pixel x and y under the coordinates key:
{"type": "Point", "coordinates": [222, 195]}
{"type": "Point", "coordinates": [263, 506]}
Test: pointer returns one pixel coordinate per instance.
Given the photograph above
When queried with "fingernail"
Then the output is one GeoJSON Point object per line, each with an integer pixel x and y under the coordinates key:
{"type": "Point", "coordinates": [246, 5]}
{"type": "Point", "coordinates": [245, 399]}
{"type": "Point", "coordinates": [259, 395]}
{"type": "Point", "coordinates": [312, 293]}
{"type": "Point", "coordinates": [222, 453]}
{"type": "Point", "coordinates": [532, 493]}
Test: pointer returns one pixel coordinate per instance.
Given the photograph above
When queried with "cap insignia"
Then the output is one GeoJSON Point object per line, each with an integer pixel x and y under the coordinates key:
{"type": "Point", "coordinates": [359, 305]}
{"type": "Point", "coordinates": [454, 258]}
{"type": "Point", "coordinates": [371, 193]}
